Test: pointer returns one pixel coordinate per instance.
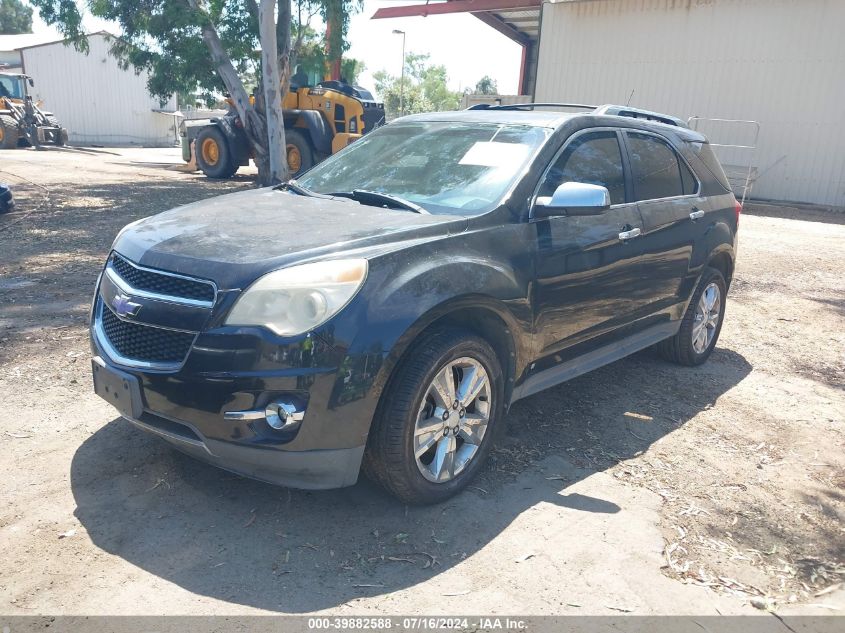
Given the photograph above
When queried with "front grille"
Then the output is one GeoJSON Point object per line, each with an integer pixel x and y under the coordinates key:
{"type": "Point", "coordinates": [161, 283]}
{"type": "Point", "coordinates": [142, 342]}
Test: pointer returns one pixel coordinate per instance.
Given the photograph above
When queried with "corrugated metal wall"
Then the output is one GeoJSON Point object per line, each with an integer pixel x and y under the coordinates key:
{"type": "Point", "coordinates": [94, 99]}
{"type": "Point", "coordinates": [780, 62]}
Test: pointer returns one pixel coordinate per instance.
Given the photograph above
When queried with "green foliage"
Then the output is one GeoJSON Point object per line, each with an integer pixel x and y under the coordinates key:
{"type": "Point", "coordinates": [337, 13]}
{"type": "Point", "coordinates": [309, 53]}
{"type": "Point", "coordinates": [15, 17]}
{"type": "Point", "coordinates": [486, 86]}
{"type": "Point", "coordinates": [164, 37]}
{"type": "Point", "coordinates": [351, 69]}
{"type": "Point", "coordinates": [424, 88]}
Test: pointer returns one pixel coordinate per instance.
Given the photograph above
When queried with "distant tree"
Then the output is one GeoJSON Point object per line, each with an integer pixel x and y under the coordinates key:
{"type": "Point", "coordinates": [15, 17]}
{"type": "Point", "coordinates": [486, 86]}
{"type": "Point", "coordinates": [425, 88]}
{"type": "Point", "coordinates": [351, 69]}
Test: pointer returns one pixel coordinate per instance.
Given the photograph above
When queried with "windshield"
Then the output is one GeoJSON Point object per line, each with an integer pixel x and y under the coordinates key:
{"type": "Point", "coordinates": [442, 166]}
{"type": "Point", "coordinates": [11, 87]}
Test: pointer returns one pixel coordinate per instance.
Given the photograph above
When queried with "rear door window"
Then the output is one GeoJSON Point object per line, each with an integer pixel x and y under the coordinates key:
{"type": "Point", "coordinates": [655, 168]}
{"type": "Point", "coordinates": [593, 158]}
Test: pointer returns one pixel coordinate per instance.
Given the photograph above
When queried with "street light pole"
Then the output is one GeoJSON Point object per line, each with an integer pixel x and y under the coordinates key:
{"type": "Point", "coordinates": [402, 78]}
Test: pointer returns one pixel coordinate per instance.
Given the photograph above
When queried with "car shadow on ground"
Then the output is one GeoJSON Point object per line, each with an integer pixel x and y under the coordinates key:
{"type": "Point", "coordinates": [218, 535]}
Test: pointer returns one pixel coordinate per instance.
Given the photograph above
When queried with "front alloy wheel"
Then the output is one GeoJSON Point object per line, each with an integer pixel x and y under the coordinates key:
{"type": "Point", "coordinates": [437, 417]}
{"type": "Point", "coordinates": [452, 420]}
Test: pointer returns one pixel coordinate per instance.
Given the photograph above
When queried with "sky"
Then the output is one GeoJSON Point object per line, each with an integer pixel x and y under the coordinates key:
{"type": "Point", "coordinates": [464, 44]}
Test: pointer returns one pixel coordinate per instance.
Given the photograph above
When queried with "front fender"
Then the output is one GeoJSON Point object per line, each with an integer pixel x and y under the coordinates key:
{"type": "Point", "coordinates": [399, 307]}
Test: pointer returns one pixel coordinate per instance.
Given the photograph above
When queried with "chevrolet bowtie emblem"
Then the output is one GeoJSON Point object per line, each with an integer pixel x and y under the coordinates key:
{"type": "Point", "coordinates": [124, 307]}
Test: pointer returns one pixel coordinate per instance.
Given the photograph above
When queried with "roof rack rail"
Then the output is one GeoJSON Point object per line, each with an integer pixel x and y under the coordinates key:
{"type": "Point", "coordinates": [607, 109]}
{"type": "Point", "coordinates": [530, 106]}
{"type": "Point", "coordinates": [637, 113]}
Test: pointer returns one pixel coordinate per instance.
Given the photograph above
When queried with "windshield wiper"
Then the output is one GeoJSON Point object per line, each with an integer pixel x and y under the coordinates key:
{"type": "Point", "coordinates": [375, 198]}
{"type": "Point", "coordinates": [292, 185]}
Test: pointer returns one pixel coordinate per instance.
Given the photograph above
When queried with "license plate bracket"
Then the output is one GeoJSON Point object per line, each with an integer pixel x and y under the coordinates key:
{"type": "Point", "coordinates": [121, 390]}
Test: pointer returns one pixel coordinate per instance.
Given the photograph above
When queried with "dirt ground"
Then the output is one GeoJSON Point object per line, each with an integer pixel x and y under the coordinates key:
{"type": "Point", "coordinates": [641, 488]}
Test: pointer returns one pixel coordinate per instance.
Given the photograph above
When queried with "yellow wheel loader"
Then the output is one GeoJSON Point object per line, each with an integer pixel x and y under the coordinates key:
{"type": "Point", "coordinates": [319, 121]}
{"type": "Point", "coordinates": [22, 122]}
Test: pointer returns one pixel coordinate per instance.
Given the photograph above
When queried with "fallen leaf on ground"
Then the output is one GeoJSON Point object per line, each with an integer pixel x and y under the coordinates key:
{"type": "Point", "coordinates": [638, 416]}
{"type": "Point", "coordinates": [828, 590]}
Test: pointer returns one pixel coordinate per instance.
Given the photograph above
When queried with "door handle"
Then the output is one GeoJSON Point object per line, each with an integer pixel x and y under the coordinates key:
{"type": "Point", "coordinates": [696, 215]}
{"type": "Point", "coordinates": [627, 235]}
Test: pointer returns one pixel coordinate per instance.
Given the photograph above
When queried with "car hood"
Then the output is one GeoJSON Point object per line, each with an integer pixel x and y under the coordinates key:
{"type": "Point", "coordinates": [232, 239]}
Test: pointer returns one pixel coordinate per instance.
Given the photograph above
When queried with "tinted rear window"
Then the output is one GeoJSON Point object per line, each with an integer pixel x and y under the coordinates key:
{"type": "Point", "coordinates": [655, 168]}
{"type": "Point", "coordinates": [708, 157]}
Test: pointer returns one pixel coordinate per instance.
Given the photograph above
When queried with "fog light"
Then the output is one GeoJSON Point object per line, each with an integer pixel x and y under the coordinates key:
{"type": "Point", "coordinates": [280, 414]}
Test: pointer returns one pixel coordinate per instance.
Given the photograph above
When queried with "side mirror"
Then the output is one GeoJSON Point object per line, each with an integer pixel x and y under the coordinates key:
{"type": "Point", "coordinates": [31, 83]}
{"type": "Point", "coordinates": [573, 198]}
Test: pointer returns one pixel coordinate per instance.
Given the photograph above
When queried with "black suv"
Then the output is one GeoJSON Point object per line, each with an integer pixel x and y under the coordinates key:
{"type": "Point", "coordinates": [386, 309]}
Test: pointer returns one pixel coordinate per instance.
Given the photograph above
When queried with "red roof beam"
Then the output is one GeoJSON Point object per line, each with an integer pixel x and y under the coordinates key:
{"type": "Point", "coordinates": [455, 6]}
{"type": "Point", "coordinates": [502, 27]}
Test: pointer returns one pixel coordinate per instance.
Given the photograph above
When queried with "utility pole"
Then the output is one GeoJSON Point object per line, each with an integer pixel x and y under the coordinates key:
{"type": "Point", "coordinates": [402, 78]}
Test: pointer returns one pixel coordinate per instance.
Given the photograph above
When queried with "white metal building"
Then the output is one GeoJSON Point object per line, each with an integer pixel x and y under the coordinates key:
{"type": "Point", "coordinates": [97, 101]}
{"type": "Point", "coordinates": [778, 62]}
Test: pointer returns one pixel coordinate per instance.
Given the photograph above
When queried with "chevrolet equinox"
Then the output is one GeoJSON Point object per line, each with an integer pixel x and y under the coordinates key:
{"type": "Point", "coordinates": [384, 311]}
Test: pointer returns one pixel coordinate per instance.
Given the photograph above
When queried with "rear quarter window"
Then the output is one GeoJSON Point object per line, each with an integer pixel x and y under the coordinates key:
{"type": "Point", "coordinates": [707, 156]}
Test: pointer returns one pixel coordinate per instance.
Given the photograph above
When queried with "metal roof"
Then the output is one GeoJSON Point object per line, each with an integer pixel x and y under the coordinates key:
{"type": "Point", "coordinates": [517, 19]}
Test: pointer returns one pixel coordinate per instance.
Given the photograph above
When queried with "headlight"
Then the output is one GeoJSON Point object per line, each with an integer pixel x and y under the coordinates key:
{"type": "Point", "coordinates": [297, 299]}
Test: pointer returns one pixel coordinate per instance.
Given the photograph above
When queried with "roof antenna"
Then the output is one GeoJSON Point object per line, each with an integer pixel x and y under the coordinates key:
{"type": "Point", "coordinates": [630, 96]}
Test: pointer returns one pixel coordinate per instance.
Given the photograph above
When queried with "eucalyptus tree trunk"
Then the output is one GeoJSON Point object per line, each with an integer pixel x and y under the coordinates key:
{"type": "Point", "coordinates": [277, 156]}
{"type": "Point", "coordinates": [266, 153]}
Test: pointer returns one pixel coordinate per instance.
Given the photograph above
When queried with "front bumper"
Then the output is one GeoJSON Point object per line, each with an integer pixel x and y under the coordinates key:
{"type": "Point", "coordinates": [323, 450]}
{"type": "Point", "coordinates": [315, 469]}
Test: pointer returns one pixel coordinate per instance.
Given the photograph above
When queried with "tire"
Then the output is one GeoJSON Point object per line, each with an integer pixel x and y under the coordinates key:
{"type": "Point", "coordinates": [61, 139]}
{"type": "Point", "coordinates": [9, 132]}
{"type": "Point", "coordinates": [390, 460]}
{"type": "Point", "coordinates": [683, 348]}
{"type": "Point", "coordinates": [298, 144]}
{"type": "Point", "coordinates": [214, 156]}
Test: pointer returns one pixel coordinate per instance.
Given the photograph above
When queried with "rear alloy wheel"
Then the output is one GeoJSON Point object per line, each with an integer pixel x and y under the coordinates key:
{"type": "Point", "coordinates": [707, 316]}
{"type": "Point", "coordinates": [701, 325]}
{"type": "Point", "coordinates": [437, 418]}
{"type": "Point", "coordinates": [214, 158]}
